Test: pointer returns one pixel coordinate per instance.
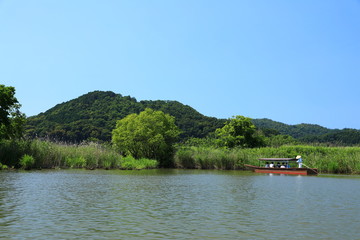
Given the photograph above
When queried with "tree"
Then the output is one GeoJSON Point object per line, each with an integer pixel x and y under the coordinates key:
{"type": "Point", "coordinates": [149, 134]}
{"type": "Point", "coordinates": [11, 119]}
{"type": "Point", "coordinates": [239, 132]}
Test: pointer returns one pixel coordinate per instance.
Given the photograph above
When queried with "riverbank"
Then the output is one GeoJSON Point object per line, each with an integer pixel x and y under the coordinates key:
{"type": "Point", "coordinates": [344, 160]}
{"type": "Point", "coordinates": [44, 154]}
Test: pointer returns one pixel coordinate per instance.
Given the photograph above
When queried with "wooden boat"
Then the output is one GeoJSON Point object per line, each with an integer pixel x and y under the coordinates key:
{"type": "Point", "coordinates": [278, 170]}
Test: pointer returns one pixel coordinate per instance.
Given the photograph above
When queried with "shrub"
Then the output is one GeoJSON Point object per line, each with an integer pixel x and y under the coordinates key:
{"type": "Point", "coordinates": [27, 161]}
{"type": "Point", "coordinates": [130, 163]}
{"type": "Point", "coordinates": [75, 162]}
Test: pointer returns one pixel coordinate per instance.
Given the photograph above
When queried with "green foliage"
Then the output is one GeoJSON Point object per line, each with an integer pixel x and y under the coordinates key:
{"type": "Point", "coordinates": [75, 162]}
{"type": "Point", "coordinates": [209, 141]}
{"type": "Point", "coordinates": [296, 131]}
{"type": "Point", "coordinates": [191, 122]}
{"type": "Point", "coordinates": [280, 140]}
{"type": "Point", "coordinates": [130, 163]}
{"type": "Point", "coordinates": [209, 158]}
{"type": "Point", "coordinates": [310, 133]}
{"type": "Point", "coordinates": [11, 119]}
{"type": "Point", "coordinates": [3, 167]}
{"type": "Point", "coordinates": [345, 137]}
{"type": "Point", "coordinates": [93, 116]}
{"type": "Point", "coordinates": [58, 155]}
{"type": "Point", "coordinates": [239, 132]}
{"type": "Point", "coordinates": [326, 159]}
{"type": "Point", "coordinates": [27, 162]}
{"type": "Point", "coordinates": [150, 134]}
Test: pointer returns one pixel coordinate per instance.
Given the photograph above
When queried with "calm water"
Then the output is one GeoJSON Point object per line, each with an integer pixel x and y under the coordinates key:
{"type": "Point", "coordinates": [177, 204]}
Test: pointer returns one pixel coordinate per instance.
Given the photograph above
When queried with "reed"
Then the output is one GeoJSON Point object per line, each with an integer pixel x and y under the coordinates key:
{"type": "Point", "coordinates": [48, 154]}
{"type": "Point", "coordinates": [130, 163]}
{"type": "Point", "coordinates": [326, 159]}
{"type": "Point", "coordinates": [27, 162]}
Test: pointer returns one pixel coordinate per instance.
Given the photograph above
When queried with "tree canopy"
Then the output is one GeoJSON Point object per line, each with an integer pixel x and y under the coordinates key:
{"type": "Point", "coordinates": [11, 119]}
{"type": "Point", "coordinates": [93, 117]}
{"type": "Point", "coordinates": [239, 132]}
{"type": "Point", "coordinates": [149, 134]}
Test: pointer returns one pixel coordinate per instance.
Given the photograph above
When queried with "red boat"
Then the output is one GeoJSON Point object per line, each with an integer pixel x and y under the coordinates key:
{"type": "Point", "coordinates": [281, 166]}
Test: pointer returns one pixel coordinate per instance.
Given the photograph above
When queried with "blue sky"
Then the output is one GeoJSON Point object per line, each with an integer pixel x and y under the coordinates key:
{"type": "Point", "coordinates": [290, 61]}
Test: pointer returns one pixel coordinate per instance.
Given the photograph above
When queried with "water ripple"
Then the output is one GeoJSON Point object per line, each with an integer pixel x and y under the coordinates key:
{"type": "Point", "coordinates": [177, 204]}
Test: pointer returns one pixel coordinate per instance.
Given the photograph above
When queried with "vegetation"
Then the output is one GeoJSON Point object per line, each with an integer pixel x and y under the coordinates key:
{"type": "Point", "coordinates": [150, 134]}
{"type": "Point", "coordinates": [27, 161]}
{"type": "Point", "coordinates": [327, 159]}
{"type": "Point", "coordinates": [38, 154]}
{"type": "Point", "coordinates": [145, 138]}
{"type": "Point", "coordinates": [239, 132]}
{"type": "Point", "coordinates": [93, 116]}
{"type": "Point", "coordinates": [310, 133]}
{"type": "Point", "coordinates": [11, 119]}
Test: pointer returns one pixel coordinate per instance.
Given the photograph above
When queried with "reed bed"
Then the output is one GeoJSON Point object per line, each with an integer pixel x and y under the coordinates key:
{"type": "Point", "coordinates": [45, 154]}
{"type": "Point", "coordinates": [37, 154]}
{"type": "Point", "coordinates": [327, 159]}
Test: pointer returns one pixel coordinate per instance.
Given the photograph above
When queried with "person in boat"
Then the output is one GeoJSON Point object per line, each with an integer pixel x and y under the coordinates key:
{"type": "Point", "coordinates": [271, 165]}
{"type": "Point", "coordinates": [282, 165]}
{"type": "Point", "coordinates": [278, 165]}
{"type": "Point", "coordinates": [299, 161]}
{"type": "Point", "coordinates": [267, 164]}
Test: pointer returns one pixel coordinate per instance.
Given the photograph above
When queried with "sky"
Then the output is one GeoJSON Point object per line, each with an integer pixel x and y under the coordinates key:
{"type": "Point", "coordinates": [289, 61]}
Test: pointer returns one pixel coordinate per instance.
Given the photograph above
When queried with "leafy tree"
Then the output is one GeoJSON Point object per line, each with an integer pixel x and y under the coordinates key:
{"type": "Point", "coordinates": [149, 134]}
{"type": "Point", "coordinates": [239, 132]}
{"type": "Point", "coordinates": [11, 119]}
{"type": "Point", "coordinates": [94, 115]}
{"type": "Point", "coordinates": [280, 140]}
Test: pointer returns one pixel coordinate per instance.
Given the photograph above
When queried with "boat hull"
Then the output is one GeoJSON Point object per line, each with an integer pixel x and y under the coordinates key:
{"type": "Point", "coordinates": [293, 171]}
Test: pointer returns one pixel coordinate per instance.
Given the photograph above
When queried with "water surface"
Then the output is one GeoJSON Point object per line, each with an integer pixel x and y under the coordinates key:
{"type": "Point", "coordinates": [177, 204]}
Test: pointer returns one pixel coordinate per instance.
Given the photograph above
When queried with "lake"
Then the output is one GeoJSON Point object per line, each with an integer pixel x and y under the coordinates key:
{"type": "Point", "coordinates": [177, 204]}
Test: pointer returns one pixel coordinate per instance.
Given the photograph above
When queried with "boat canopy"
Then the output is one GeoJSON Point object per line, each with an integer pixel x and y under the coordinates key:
{"type": "Point", "coordinates": [277, 159]}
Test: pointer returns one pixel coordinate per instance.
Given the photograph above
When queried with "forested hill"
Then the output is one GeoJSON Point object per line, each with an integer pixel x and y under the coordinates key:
{"type": "Point", "coordinates": [311, 133]}
{"type": "Point", "coordinates": [296, 131]}
{"type": "Point", "coordinates": [94, 115]}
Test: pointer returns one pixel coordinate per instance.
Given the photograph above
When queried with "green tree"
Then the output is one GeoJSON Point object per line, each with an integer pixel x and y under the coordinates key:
{"type": "Point", "coordinates": [149, 134]}
{"type": "Point", "coordinates": [11, 119]}
{"type": "Point", "coordinates": [239, 132]}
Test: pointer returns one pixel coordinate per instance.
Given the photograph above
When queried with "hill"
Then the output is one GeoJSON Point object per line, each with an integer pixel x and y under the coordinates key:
{"type": "Point", "coordinates": [94, 115]}
{"type": "Point", "coordinates": [311, 133]}
{"type": "Point", "coordinates": [297, 131]}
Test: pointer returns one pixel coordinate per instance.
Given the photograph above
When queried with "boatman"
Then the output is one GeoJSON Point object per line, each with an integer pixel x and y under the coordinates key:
{"type": "Point", "coordinates": [299, 160]}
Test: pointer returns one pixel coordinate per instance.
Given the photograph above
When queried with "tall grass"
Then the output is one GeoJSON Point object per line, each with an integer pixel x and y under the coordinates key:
{"type": "Point", "coordinates": [45, 154]}
{"type": "Point", "coordinates": [61, 155]}
{"type": "Point", "coordinates": [326, 159]}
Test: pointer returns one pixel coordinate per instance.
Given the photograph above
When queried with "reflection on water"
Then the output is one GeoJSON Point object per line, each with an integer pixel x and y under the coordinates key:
{"type": "Point", "coordinates": [176, 204]}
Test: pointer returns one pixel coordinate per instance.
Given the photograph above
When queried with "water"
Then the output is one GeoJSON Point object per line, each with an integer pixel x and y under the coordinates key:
{"type": "Point", "coordinates": [177, 204]}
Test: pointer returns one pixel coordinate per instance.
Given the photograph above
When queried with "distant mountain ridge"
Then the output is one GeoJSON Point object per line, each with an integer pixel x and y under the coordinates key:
{"type": "Point", "coordinates": [93, 116]}
{"type": "Point", "coordinates": [296, 131]}
{"type": "Point", "coordinates": [312, 133]}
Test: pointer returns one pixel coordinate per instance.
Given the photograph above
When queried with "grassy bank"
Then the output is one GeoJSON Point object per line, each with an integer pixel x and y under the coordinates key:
{"type": "Point", "coordinates": [327, 159]}
{"type": "Point", "coordinates": [37, 154]}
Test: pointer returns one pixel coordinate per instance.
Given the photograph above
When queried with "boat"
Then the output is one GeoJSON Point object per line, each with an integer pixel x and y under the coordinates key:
{"type": "Point", "coordinates": [286, 167]}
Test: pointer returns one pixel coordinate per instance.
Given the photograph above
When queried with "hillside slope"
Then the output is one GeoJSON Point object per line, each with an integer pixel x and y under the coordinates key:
{"type": "Point", "coordinates": [312, 133]}
{"type": "Point", "coordinates": [94, 116]}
